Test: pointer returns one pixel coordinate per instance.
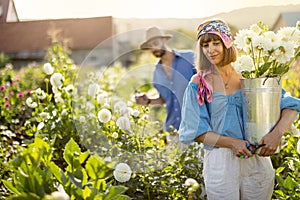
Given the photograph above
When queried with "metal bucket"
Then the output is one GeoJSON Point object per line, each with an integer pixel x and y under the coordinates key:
{"type": "Point", "coordinates": [262, 111]}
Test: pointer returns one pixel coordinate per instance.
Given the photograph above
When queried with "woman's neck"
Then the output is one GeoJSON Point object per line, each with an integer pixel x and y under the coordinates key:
{"type": "Point", "coordinates": [225, 70]}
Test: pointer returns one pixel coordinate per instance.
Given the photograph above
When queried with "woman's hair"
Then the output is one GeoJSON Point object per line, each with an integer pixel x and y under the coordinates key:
{"type": "Point", "coordinates": [203, 64]}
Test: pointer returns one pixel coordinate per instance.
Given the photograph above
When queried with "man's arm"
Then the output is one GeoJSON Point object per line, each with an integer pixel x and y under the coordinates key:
{"type": "Point", "coordinates": [144, 100]}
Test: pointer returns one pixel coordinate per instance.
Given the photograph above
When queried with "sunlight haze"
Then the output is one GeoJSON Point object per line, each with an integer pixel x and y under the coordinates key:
{"type": "Point", "coordinates": [55, 9]}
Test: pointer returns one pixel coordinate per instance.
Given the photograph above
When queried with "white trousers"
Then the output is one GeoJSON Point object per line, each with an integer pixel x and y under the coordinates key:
{"type": "Point", "coordinates": [228, 177]}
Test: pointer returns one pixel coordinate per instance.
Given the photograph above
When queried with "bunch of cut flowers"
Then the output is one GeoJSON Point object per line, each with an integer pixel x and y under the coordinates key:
{"type": "Point", "coordinates": [264, 53]}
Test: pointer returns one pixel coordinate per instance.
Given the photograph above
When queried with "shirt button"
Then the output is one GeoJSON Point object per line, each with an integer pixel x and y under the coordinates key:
{"type": "Point", "coordinates": [176, 109]}
{"type": "Point", "coordinates": [177, 118]}
{"type": "Point", "coordinates": [175, 100]}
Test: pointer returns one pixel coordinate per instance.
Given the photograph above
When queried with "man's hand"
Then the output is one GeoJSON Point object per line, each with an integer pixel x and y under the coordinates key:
{"type": "Point", "coordinates": [142, 99]}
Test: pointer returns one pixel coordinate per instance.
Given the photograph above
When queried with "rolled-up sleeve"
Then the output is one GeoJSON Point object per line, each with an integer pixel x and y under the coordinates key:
{"type": "Point", "coordinates": [195, 118]}
{"type": "Point", "coordinates": [289, 102]}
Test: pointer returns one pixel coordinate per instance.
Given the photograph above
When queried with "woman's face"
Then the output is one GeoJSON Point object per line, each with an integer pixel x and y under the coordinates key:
{"type": "Point", "coordinates": [214, 51]}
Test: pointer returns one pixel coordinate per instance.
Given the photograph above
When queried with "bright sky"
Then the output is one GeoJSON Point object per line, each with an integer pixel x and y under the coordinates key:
{"type": "Point", "coordinates": [53, 9]}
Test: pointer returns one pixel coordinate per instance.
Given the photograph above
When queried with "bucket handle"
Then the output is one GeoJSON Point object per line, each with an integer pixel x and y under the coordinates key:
{"type": "Point", "coordinates": [278, 80]}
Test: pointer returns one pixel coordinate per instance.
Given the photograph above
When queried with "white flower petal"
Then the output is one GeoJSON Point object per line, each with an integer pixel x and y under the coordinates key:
{"type": "Point", "coordinates": [122, 172]}
{"type": "Point", "coordinates": [104, 115]}
{"type": "Point", "coordinates": [190, 181]}
{"type": "Point", "coordinates": [30, 103]}
{"type": "Point", "coordinates": [123, 123]}
{"type": "Point", "coordinates": [40, 126]}
{"type": "Point", "coordinates": [48, 69]}
{"type": "Point", "coordinates": [57, 80]}
{"type": "Point", "coordinates": [93, 89]}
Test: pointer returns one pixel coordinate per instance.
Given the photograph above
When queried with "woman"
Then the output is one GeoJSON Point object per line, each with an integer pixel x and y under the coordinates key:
{"type": "Point", "coordinates": [212, 114]}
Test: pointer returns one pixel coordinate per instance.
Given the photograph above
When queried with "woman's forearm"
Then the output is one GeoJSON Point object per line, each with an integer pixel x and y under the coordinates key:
{"type": "Point", "coordinates": [238, 146]}
{"type": "Point", "coordinates": [287, 118]}
{"type": "Point", "coordinates": [213, 139]}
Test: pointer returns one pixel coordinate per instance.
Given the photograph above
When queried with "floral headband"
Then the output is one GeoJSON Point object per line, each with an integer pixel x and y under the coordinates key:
{"type": "Point", "coordinates": [216, 27]}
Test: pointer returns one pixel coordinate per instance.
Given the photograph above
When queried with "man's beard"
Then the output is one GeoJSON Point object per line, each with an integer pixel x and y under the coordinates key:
{"type": "Point", "coordinates": [159, 53]}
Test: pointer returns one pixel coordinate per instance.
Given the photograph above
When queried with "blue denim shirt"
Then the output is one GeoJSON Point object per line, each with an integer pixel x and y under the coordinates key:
{"type": "Point", "coordinates": [224, 115]}
{"type": "Point", "coordinates": [172, 90]}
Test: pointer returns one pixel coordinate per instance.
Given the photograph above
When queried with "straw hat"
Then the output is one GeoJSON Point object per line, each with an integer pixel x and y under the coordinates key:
{"type": "Point", "coordinates": [151, 34]}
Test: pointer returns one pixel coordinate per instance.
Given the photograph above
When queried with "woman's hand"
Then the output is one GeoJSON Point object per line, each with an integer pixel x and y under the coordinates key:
{"type": "Point", "coordinates": [271, 141]}
{"type": "Point", "coordinates": [240, 149]}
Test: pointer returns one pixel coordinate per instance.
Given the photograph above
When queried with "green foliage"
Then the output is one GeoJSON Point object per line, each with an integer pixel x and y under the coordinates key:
{"type": "Point", "coordinates": [4, 60]}
{"type": "Point", "coordinates": [30, 176]}
{"type": "Point", "coordinates": [291, 81]}
{"type": "Point", "coordinates": [13, 116]}
{"type": "Point", "coordinates": [13, 111]}
{"type": "Point", "coordinates": [34, 175]}
{"type": "Point", "coordinates": [168, 181]}
{"type": "Point", "coordinates": [287, 160]}
{"type": "Point", "coordinates": [56, 105]}
{"type": "Point", "coordinates": [60, 143]}
{"type": "Point", "coordinates": [287, 165]}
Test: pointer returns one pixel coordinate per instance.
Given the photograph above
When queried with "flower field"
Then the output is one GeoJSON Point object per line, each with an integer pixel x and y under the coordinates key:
{"type": "Point", "coordinates": [77, 133]}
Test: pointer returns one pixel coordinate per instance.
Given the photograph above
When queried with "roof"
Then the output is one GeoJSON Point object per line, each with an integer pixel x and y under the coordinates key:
{"type": "Point", "coordinates": [291, 18]}
{"type": "Point", "coordinates": [8, 12]}
{"type": "Point", "coordinates": [81, 33]}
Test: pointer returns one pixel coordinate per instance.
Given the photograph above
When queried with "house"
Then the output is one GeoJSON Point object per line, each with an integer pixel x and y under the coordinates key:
{"type": "Point", "coordinates": [8, 11]}
{"type": "Point", "coordinates": [286, 19]}
{"type": "Point", "coordinates": [27, 41]}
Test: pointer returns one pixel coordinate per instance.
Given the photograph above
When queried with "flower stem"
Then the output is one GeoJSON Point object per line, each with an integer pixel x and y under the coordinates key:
{"type": "Point", "coordinates": [253, 58]}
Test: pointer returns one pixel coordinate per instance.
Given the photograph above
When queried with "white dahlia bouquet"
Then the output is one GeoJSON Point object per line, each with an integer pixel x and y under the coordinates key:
{"type": "Point", "coordinates": [264, 53]}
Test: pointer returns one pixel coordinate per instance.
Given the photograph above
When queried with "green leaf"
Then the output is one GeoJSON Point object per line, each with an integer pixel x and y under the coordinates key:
{"type": "Point", "coordinates": [71, 150]}
{"type": "Point", "coordinates": [289, 183]}
{"type": "Point", "coordinates": [114, 192]}
{"type": "Point", "coordinates": [84, 177]}
{"type": "Point", "coordinates": [83, 156]}
{"type": "Point", "coordinates": [122, 197]}
{"type": "Point", "coordinates": [279, 169]}
{"type": "Point", "coordinates": [280, 70]}
{"type": "Point", "coordinates": [246, 74]}
{"type": "Point", "coordinates": [39, 149]}
{"type": "Point", "coordinates": [280, 180]}
{"type": "Point", "coordinates": [10, 187]}
{"type": "Point", "coordinates": [297, 54]}
{"type": "Point", "coordinates": [98, 197]}
{"type": "Point", "coordinates": [22, 173]}
{"type": "Point", "coordinates": [279, 192]}
{"type": "Point", "coordinates": [264, 68]}
{"type": "Point", "coordinates": [77, 182]}
{"type": "Point", "coordinates": [25, 196]}
{"type": "Point", "coordinates": [100, 184]}
{"type": "Point", "coordinates": [96, 167]}
{"type": "Point", "coordinates": [86, 192]}
{"type": "Point", "coordinates": [56, 171]}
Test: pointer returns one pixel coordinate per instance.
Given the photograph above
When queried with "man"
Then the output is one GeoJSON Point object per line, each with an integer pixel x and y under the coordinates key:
{"type": "Point", "coordinates": [170, 77]}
